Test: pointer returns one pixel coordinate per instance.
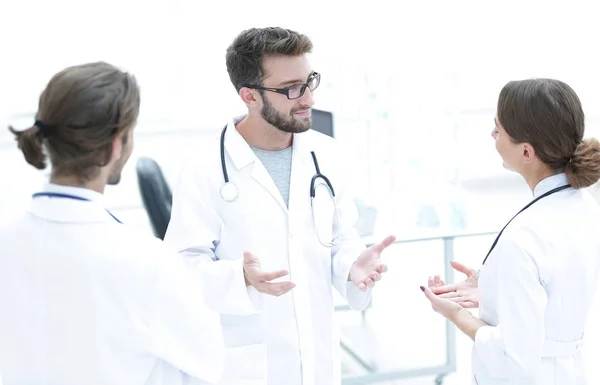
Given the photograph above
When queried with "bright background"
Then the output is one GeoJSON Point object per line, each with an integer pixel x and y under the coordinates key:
{"type": "Point", "coordinates": [412, 85]}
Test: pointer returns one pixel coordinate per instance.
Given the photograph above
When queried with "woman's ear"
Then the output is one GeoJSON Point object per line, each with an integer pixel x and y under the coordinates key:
{"type": "Point", "coordinates": [528, 152]}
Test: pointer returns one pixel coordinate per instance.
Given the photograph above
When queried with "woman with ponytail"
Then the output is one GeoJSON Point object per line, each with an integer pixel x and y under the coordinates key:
{"type": "Point", "coordinates": [536, 285]}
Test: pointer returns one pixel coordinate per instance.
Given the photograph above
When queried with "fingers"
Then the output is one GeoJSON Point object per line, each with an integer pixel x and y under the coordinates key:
{"type": "Point", "coordinates": [249, 257]}
{"type": "Point", "coordinates": [270, 276]}
{"type": "Point", "coordinates": [460, 267]}
{"type": "Point", "coordinates": [449, 295]}
{"type": "Point", "coordinates": [276, 289]}
{"type": "Point", "coordinates": [469, 304]}
{"type": "Point", "coordinates": [438, 281]}
{"type": "Point", "coordinates": [430, 282]}
{"type": "Point", "coordinates": [387, 242]}
{"type": "Point", "coordinates": [260, 280]}
{"type": "Point", "coordinates": [445, 288]}
{"type": "Point", "coordinates": [429, 294]}
{"type": "Point", "coordinates": [369, 282]}
{"type": "Point", "coordinates": [434, 282]}
{"type": "Point", "coordinates": [375, 276]}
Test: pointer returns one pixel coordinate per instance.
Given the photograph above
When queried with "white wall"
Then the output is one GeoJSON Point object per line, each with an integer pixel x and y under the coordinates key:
{"type": "Point", "coordinates": [413, 88]}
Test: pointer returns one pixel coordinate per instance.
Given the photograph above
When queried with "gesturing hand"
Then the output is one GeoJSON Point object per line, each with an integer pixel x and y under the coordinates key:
{"type": "Point", "coordinates": [260, 279]}
{"type": "Point", "coordinates": [443, 306]}
{"type": "Point", "coordinates": [463, 293]}
{"type": "Point", "coordinates": [368, 267]}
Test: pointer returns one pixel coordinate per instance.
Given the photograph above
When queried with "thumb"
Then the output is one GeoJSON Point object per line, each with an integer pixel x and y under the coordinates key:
{"type": "Point", "coordinates": [429, 294]}
{"type": "Point", "coordinates": [460, 267]}
{"type": "Point", "coordinates": [387, 242]}
{"type": "Point", "coordinates": [249, 257]}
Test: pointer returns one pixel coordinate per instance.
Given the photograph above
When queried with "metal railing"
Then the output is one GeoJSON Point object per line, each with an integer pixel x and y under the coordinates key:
{"type": "Point", "coordinates": [439, 371]}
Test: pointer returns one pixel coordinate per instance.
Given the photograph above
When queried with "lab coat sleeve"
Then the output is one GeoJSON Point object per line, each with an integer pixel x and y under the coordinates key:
{"type": "Point", "coordinates": [182, 330]}
{"type": "Point", "coordinates": [194, 231]}
{"type": "Point", "coordinates": [513, 348]}
{"type": "Point", "coordinates": [349, 248]}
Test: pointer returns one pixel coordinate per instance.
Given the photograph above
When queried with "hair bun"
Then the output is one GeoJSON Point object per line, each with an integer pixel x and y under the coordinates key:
{"type": "Point", "coordinates": [583, 167]}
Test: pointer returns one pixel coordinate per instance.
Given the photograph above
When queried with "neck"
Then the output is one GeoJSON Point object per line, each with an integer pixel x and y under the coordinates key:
{"type": "Point", "coordinates": [537, 176]}
{"type": "Point", "coordinates": [260, 134]}
{"type": "Point", "coordinates": [96, 184]}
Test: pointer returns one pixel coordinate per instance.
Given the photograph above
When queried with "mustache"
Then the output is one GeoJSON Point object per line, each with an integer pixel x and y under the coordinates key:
{"type": "Point", "coordinates": [301, 109]}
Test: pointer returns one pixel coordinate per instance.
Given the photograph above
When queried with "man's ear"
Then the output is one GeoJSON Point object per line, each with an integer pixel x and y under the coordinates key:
{"type": "Point", "coordinates": [528, 152]}
{"type": "Point", "coordinates": [117, 146]}
{"type": "Point", "coordinates": [250, 96]}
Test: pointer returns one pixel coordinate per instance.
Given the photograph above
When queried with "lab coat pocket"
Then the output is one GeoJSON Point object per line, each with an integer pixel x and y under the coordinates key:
{"type": "Point", "coordinates": [245, 365]}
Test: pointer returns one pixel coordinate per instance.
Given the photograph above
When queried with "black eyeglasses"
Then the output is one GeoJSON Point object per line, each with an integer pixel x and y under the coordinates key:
{"type": "Point", "coordinates": [292, 92]}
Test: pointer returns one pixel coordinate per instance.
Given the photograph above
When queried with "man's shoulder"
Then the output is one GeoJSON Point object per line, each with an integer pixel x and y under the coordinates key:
{"type": "Point", "coordinates": [319, 137]}
{"type": "Point", "coordinates": [141, 245]}
{"type": "Point", "coordinates": [322, 142]}
{"type": "Point", "coordinates": [328, 147]}
{"type": "Point", "coordinates": [11, 222]}
{"type": "Point", "coordinates": [203, 158]}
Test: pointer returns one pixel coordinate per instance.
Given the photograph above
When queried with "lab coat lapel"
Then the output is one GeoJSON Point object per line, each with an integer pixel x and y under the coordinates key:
{"type": "Point", "coordinates": [302, 172]}
{"type": "Point", "coordinates": [242, 155]}
{"type": "Point", "coordinates": [262, 176]}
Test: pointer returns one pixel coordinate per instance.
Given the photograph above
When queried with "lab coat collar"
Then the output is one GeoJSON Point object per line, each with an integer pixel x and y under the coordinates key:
{"type": "Point", "coordinates": [70, 210]}
{"type": "Point", "coordinates": [238, 149]}
{"type": "Point", "coordinates": [301, 144]}
{"type": "Point", "coordinates": [241, 153]}
{"type": "Point", "coordinates": [550, 183]}
{"type": "Point", "coordinates": [72, 190]}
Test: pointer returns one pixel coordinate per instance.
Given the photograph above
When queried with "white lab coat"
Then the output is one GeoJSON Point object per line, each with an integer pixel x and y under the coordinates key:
{"type": "Point", "coordinates": [536, 290]}
{"type": "Point", "coordinates": [291, 339]}
{"type": "Point", "coordinates": [86, 300]}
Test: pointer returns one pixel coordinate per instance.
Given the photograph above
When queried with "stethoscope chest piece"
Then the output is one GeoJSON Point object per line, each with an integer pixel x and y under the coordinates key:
{"type": "Point", "coordinates": [229, 192]}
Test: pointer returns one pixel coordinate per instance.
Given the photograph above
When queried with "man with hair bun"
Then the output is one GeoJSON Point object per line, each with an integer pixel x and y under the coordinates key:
{"type": "Point", "coordinates": [86, 299]}
{"type": "Point", "coordinates": [537, 283]}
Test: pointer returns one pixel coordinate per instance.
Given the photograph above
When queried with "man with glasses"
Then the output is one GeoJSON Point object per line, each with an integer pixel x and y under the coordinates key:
{"type": "Point", "coordinates": [266, 209]}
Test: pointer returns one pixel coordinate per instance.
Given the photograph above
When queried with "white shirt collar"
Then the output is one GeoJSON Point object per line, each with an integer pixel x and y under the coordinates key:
{"type": "Point", "coordinates": [550, 183]}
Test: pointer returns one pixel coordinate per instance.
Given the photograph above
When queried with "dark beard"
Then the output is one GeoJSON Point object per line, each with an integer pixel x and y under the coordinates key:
{"type": "Point", "coordinates": [291, 125]}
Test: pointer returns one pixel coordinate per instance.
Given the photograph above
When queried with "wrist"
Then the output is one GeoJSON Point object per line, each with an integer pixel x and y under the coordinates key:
{"type": "Point", "coordinates": [455, 315]}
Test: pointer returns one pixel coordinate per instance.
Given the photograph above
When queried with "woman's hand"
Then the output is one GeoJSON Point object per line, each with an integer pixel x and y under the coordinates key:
{"type": "Point", "coordinates": [464, 293]}
{"type": "Point", "coordinates": [444, 306]}
{"type": "Point", "coordinates": [459, 316]}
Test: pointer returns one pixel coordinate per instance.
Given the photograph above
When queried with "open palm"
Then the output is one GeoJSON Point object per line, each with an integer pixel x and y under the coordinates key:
{"type": "Point", "coordinates": [464, 293]}
{"type": "Point", "coordinates": [367, 268]}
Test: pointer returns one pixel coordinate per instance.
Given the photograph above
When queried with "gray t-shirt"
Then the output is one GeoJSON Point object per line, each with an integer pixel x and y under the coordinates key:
{"type": "Point", "coordinates": [279, 166]}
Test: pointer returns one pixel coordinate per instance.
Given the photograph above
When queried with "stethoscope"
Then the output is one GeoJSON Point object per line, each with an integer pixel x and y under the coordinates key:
{"type": "Point", "coordinates": [68, 196]}
{"type": "Point", "coordinates": [520, 211]}
{"type": "Point", "coordinates": [229, 191]}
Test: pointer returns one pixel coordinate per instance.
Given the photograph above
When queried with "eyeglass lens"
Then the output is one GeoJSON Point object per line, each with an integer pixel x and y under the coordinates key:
{"type": "Point", "coordinates": [297, 90]}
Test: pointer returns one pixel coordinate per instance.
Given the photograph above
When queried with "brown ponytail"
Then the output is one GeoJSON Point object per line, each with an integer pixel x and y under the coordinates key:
{"type": "Point", "coordinates": [80, 112]}
{"type": "Point", "coordinates": [583, 169]}
{"type": "Point", "coordinates": [30, 143]}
